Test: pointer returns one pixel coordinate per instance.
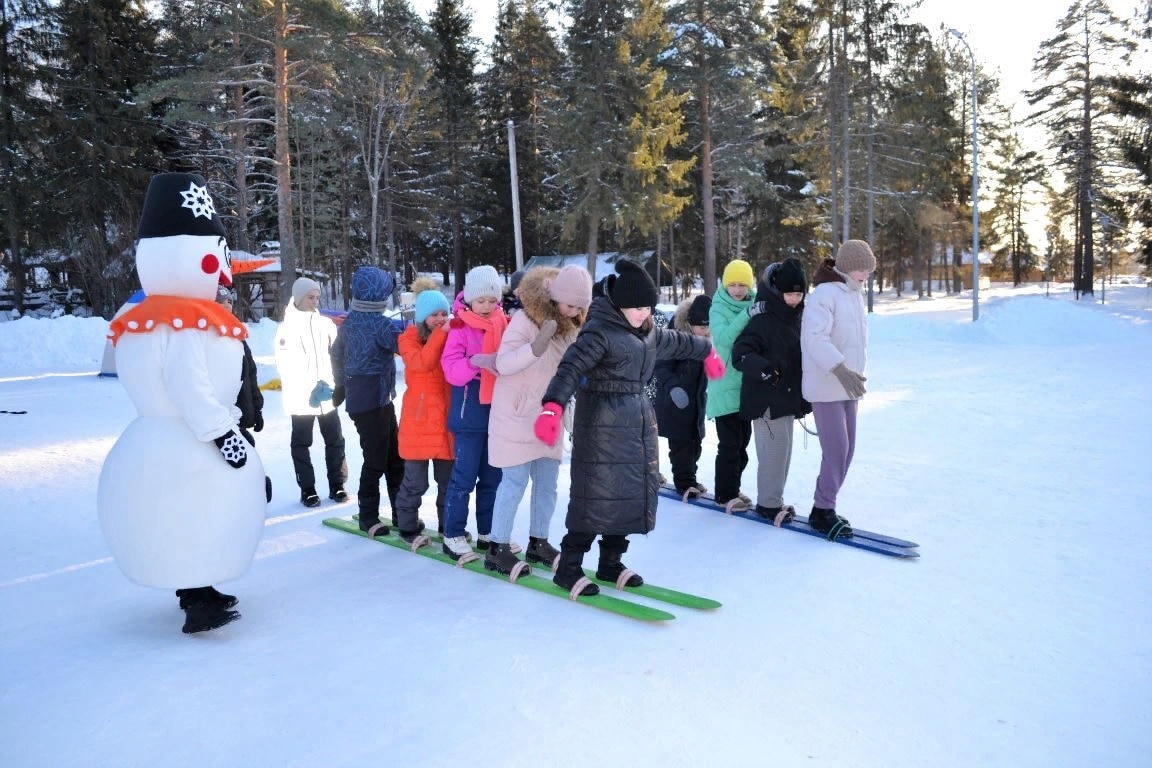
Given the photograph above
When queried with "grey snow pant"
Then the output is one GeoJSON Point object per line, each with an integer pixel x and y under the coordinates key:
{"type": "Point", "coordinates": [773, 457]}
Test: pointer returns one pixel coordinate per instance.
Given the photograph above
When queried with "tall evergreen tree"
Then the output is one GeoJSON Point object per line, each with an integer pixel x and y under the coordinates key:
{"type": "Point", "coordinates": [522, 80]}
{"type": "Point", "coordinates": [721, 56]}
{"type": "Point", "coordinates": [1075, 66]}
{"type": "Point", "coordinates": [788, 219]}
{"type": "Point", "coordinates": [594, 118]}
{"type": "Point", "coordinates": [106, 147]}
{"type": "Point", "coordinates": [453, 127]}
{"type": "Point", "coordinates": [23, 38]}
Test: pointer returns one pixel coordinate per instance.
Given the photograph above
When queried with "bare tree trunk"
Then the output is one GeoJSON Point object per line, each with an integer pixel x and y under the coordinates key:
{"type": "Point", "coordinates": [707, 205]}
{"type": "Point", "coordinates": [240, 148]}
{"type": "Point", "coordinates": [845, 112]}
{"type": "Point", "coordinates": [283, 159]}
{"type": "Point", "coordinates": [833, 89]}
{"type": "Point", "coordinates": [590, 244]}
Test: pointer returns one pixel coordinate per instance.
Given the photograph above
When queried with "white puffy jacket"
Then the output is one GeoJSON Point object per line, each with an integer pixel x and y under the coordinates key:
{"type": "Point", "coordinates": [833, 330]}
{"type": "Point", "coordinates": [303, 357]}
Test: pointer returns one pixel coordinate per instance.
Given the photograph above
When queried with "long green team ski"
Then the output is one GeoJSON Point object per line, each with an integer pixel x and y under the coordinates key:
{"type": "Point", "coordinates": [529, 580]}
{"type": "Point", "coordinates": [663, 594]}
{"type": "Point", "coordinates": [650, 591]}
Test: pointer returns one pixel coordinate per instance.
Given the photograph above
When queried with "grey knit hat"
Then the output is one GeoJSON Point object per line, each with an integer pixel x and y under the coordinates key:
{"type": "Point", "coordinates": [301, 287]}
{"type": "Point", "coordinates": [855, 255]}
{"type": "Point", "coordinates": [482, 281]}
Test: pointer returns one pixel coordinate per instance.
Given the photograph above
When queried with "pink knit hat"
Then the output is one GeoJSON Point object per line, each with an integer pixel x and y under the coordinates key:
{"type": "Point", "coordinates": [572, 286]}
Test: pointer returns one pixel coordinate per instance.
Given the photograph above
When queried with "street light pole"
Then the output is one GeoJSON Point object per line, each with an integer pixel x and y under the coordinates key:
{"type": "Point", "coordinates": [975, 187]}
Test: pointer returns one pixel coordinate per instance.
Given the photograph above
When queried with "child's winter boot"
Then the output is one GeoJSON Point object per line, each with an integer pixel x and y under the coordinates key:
{"type": "Point", "coordinates": [827, 522]}
{"type": "Point", "coordinates": [540, 551]}
{"type": "Point", "coordinates": [370, 522]}
{"type": "Point", "coordinates": [502, 559]}
{"type": "Point", "coordinates": [612, 548]}
{"type": "Point", "coordinates": [570, 574]}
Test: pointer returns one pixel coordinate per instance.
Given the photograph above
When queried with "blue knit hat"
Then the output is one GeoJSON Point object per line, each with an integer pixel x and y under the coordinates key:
{"type": "Point", "coordinates": [429, 302]}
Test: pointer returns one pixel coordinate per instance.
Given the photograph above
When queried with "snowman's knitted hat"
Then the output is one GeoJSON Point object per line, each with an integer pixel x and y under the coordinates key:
{"type": "Point", "coordinates": [178, 204]}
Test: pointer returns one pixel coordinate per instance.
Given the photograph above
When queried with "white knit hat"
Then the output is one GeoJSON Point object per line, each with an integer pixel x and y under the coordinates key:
{"type": "Point", "coordinates": [301, 287]}
{"type": "Point", "coordinates": [482, 281]}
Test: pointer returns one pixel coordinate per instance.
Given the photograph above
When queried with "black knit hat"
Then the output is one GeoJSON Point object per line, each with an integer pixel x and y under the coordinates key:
{"type": "Point", "coordinates": [178, 204]}
{"type": "Point", "coordinates": [632, 287]}
{"type": "Point", "coordinates": [698, 310]}
{"type": "Point", "coordinates": [789, 277]}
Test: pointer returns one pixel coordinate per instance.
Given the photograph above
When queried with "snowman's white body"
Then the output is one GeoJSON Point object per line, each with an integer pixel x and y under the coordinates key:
{"type": "Point", "coordinates": [173, 512]}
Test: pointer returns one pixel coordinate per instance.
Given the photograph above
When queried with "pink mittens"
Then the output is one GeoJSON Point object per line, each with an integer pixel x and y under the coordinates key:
{"type": "Point", "coordinates": [713, 366]}
{"type": "Point", "coordinates": [549, 424]}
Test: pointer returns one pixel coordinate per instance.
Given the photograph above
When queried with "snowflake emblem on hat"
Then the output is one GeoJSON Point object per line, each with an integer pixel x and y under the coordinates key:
{"type": "Point", "coordinates": [198, 200]}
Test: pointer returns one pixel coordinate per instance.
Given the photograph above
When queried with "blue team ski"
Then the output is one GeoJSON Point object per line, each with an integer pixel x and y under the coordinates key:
{"type": "Point", "coordinates": [867, 540]}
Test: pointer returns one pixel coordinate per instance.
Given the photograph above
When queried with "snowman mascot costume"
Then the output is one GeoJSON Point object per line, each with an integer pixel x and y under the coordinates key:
{"type": "Point", "coordinates": [181, 496]}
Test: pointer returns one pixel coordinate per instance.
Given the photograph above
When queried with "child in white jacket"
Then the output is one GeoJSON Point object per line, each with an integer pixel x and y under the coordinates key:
{"type": "Point", "coordinates": [834, 354]}
{"type": "Point", "coordinates": [303, 359]}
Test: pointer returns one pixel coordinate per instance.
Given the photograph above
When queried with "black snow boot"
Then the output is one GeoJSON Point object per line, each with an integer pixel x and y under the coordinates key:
{"type": "Point", "coordinates": [370, 516]}
{"type": "Point", "coordinates": [540, 551]}
{"type": "Point", "coordinates": [309, 498]}
{"type": "Point", "coordinates": [410, 536]}
{"type": "Point", "coordinates": [780, 516]}
{"type": "Point", "coordinates": [610, 567]}
{"type": "Point", "coordinates": [205, 594]}
{"type": "Point", "coordinates": [570, 570]}
{"type": "Point", "coordinates": [205, 612]}
{"type": "Point", "coordinates": [338, 494]}
{"type": "Point", "coordinates": [827, 522]}
{"type": "Point", "coordinates": [500, 558]}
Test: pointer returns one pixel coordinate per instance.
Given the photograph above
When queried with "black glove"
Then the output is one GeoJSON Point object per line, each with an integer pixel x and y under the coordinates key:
{"type": "Point", "coordinates": [756, 308]}
{"type": "Point", "coordinates": [679, 397]}
{"type": "Point", "coordinates": [770, 375]}
{"type": "Point", "coordinates": [232, 449]}
{"type": "Point", "coordinates": [337, 397]}
{"type": "Point", "coordinates": [258, 424]}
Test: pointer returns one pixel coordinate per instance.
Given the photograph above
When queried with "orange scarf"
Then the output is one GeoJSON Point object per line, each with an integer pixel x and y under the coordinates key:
{"type": "Point", "coordinates": [493, 326]}
{"type": "Point", "coordinates": [181, 314]}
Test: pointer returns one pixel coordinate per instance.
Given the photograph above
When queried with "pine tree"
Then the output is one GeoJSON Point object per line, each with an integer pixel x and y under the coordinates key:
{"type": "Point", "coordinates": [721, 56]}
{"type": "Point", "coordinates": [452, 120]}
{"type": "Point", "coordinates": [22, 124]}
{"type": "Point", "coordinates": [1075, 66]}
{"type": "Point", "coordinates": [106, 147]}
{"type": "Point", "coordinates": [522, 80]}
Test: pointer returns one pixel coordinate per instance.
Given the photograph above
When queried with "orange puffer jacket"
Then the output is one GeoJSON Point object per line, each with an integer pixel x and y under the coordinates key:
{"type": "Point", "coordinates": [424, 412]}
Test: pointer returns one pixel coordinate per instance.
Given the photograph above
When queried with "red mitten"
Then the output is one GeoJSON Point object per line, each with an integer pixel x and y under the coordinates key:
{"type": "Point", "coordinates": [550, 423]}
{"type": "Point", "coordinates": [713, 366]}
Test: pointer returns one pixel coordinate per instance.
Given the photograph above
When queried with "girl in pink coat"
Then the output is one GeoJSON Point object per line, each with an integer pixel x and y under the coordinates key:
{"type": "Point", "coordinates": [469, 363]}
{"type": "Point", "coordinates": [555, 304]}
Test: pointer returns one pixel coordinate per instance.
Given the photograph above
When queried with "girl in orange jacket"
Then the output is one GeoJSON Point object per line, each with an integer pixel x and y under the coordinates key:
{"type": "Point", "coordinates": [424, 435]}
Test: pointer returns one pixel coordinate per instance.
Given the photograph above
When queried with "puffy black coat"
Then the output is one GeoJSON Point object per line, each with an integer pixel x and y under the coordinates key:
{"type": "Point", "coordinates": [767, 351]}
{"type": "Point", "coordinates": [673, 422]}
{"type": "Point", "coordinates": [615, 474]}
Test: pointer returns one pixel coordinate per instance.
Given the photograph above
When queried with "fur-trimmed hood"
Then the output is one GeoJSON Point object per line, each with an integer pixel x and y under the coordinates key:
{"type": "Point", "coordinates": [538, 304]}
{"type": "Point", "coordinates": [680, 317]}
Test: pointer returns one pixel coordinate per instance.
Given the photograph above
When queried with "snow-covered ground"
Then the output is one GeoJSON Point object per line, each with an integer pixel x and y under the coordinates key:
{"type": "Point", "coordinates": [1015, 450]}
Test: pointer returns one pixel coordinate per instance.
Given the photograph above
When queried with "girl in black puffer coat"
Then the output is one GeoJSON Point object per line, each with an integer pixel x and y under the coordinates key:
{"type": "Point", "coordinates": [615, 476]}
{"type": "Point", "coordinates": [767, 351]}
